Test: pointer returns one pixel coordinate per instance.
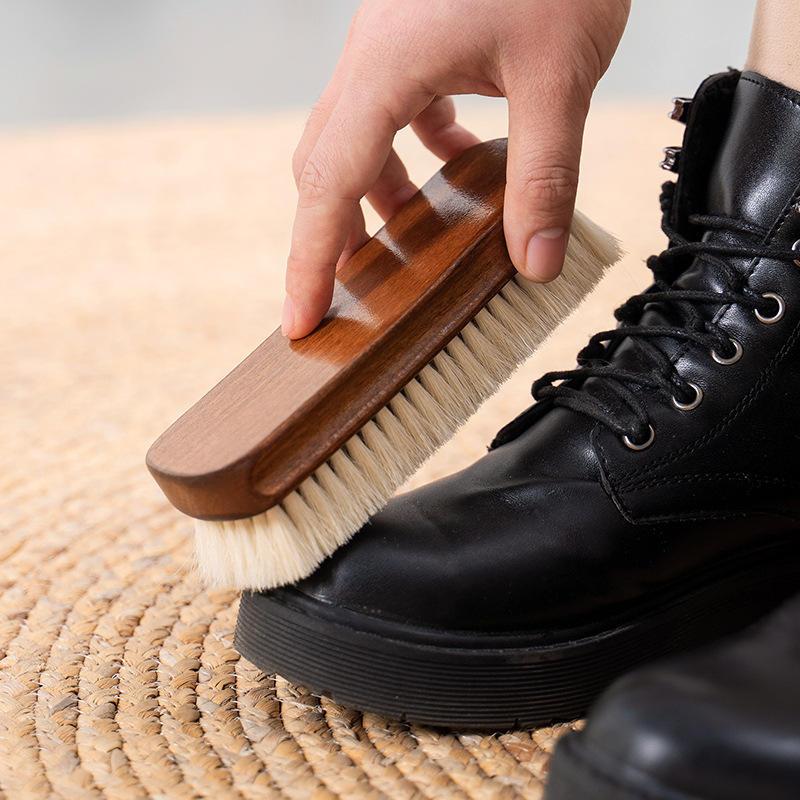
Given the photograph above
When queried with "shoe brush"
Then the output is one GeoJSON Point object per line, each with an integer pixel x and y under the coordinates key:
{"type": "Point", "coordinates": [291, 453]}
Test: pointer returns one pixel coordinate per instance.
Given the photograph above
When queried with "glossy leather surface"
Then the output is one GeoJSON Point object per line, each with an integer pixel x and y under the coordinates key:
{"type": "Point", "coordinates": [562, 523]}
{"type": "Point", "coordinates": [718, 723]}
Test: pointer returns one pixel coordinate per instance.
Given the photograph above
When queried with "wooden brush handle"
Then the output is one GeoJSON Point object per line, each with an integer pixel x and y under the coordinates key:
{"type": "Point", "coordinates": [398, 301]}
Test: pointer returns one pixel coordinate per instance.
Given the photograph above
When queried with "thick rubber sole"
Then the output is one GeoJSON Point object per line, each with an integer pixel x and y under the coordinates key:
{"type": "Point", "coordinates": [479, 681]}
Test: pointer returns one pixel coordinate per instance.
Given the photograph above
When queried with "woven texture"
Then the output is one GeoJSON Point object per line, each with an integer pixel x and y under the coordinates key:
{"type": "Point", "coordinates": [138, 264]}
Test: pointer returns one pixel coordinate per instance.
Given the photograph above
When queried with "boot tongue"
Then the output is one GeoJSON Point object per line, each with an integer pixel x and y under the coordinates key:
{"type": "Point", "coordinates": [757, 169]}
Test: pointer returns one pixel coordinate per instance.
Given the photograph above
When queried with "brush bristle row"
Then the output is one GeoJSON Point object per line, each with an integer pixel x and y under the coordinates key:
{"type": "Point", "coordinates": [287, 542]}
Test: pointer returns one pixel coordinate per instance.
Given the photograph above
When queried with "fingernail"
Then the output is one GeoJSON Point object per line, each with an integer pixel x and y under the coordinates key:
{"type": "Point", "coordinates": [287, 318]}
{"type": "Point", "coordinates": [544, 256]}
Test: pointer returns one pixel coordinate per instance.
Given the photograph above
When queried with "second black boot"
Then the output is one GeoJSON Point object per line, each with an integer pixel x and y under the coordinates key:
{"type": "Point", "coordinates": [722, 723]}
{"type": "Point", "coordinates": [649, 501]}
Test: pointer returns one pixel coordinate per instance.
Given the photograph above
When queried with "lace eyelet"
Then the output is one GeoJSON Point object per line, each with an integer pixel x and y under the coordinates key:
{"type": "Point", "coordinates": [693, 403]}
{"type": "Point", "coordinates": [778, 315]}
{"type": "Point", "coordinates": [796, 248]}
{"type": "Point", "coordinates": [637, 446]}
{"type": "Point", "coordinates": [737, 354]}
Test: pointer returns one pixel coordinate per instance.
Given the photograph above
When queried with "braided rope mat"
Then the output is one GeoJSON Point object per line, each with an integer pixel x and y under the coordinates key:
{"type": "Point", "coordinates": [138, 265]}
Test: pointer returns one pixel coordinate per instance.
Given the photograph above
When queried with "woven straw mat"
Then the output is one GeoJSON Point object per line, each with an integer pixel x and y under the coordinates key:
{"type": "Point", "coordinates": [138, 263]}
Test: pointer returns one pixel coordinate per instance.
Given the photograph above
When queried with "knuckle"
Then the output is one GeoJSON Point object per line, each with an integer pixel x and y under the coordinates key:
{"type": "Point", "coordinates": [552, 186]}
{"type": "Point", "coordinates": [313, 181]}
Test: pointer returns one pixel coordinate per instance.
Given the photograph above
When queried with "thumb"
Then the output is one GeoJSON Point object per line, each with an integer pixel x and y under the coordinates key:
{"type": "Point", "coordinates": [544, 149]}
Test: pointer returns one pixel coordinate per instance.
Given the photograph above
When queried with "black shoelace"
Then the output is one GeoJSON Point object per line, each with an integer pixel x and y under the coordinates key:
{"type": "Point", "coordinates": [613, 399]}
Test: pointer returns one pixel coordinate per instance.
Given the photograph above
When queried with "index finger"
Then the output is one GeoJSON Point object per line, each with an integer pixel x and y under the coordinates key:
{"type": "Point", "coordinates": [344, 164]}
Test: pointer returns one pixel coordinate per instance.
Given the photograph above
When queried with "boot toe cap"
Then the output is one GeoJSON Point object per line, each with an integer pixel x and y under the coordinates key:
{"type": "Point", "coordinates": [694, 726]}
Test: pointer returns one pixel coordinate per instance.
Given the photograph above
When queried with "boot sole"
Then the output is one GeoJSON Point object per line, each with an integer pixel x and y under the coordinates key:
{"type": "Point", "coordinates": [481, 681]}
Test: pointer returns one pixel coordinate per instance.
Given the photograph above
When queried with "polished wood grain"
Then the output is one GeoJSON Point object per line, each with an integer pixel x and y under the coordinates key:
{"type": "Point", "coordinates": [398, 301]}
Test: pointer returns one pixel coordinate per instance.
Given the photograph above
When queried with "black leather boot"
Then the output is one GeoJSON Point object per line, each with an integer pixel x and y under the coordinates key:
{"type": "Point", "coordinates": [719, 724]}
{"type": "Point", "coordinates": [648, 501]}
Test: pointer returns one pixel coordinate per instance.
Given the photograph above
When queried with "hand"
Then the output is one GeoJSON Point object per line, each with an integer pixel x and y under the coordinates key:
{"type": "Point", "coordinates": [401, 61]}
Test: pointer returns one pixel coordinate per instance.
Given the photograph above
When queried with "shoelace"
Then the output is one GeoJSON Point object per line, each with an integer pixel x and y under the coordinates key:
{"type": "Point", "coordinates": [612, 399]}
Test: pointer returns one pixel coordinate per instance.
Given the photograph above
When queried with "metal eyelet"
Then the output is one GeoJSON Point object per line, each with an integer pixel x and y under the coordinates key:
{"type": "Point", "coordinates": [779, 312]}
{"type": "Point", "coordinates": [796, 248]}
{"type": "Point", "coordinates": [672, 159]}
{"type": "Point", "coordinates": [631, 445]}
{"type": "Point", "coordinates": [680, 109]}
{"type": "Point", "coordinates": [737, 354]}
{"type": "Point", "coordinates": [693, 403]}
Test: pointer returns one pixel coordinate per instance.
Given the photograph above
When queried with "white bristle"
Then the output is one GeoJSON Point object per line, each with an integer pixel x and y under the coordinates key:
{"type": "Point", "coordinates": [433, 415]}
{"type": "Point", "coordinates": [509, 319]}
{"type": "Point", "coordinates": [409, 417]}
{"type": "Point", "coordinates": [447, 395]}
{"type": "Point", "coordinates": [385, 455]}
{"type": "Point", "coordinates": [330, 483]}
{"type": "Point", "coordinates": [509, 346]}
{"type": "Point", "coordinates": [473, 372]}
{"type": "Point", "coordinates": [452, 374]}
{"type": "Point", "coordinates": [352, 465]}
{"type": "Point", "coordinates": [287, 542]}
{"type": "Point", "coordinates": [397, 434]}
